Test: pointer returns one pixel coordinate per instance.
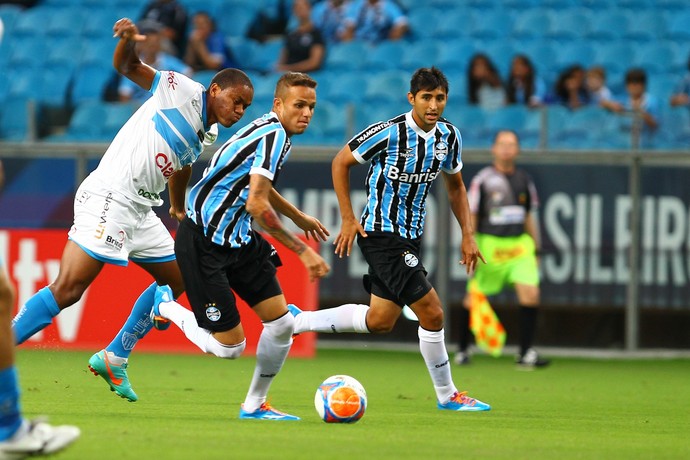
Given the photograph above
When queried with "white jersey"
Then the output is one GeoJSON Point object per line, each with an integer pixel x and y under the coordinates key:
{"type": "Point", "coordinates": [163, 135]}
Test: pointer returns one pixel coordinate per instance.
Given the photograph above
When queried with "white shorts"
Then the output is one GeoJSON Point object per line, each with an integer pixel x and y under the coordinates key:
{"type": "Point", "coordinates": [113, 229]}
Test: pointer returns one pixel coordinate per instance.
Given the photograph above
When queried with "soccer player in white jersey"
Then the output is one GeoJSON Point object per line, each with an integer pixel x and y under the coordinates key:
{"type": "Point", "coordinates": [113, 217]}
{"type": "Point", "coordinates": [219, 252]}
{"type": "Point", "coordinates": [405, 155]}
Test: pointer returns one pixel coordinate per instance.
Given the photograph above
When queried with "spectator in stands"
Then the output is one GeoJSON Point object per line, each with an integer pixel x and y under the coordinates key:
{"type": "Point", "coordinates": [596, 85]}
{"type": "Point", "coordinates": [484, 85]}
{"type": "Point", "coordinates": [375, 21]}
{"type": "Point", "coordinates": [173, 16]}
{"type": "Point", "coordinates": [304, 49]}
{"type": "Point", "coordinates": [570, 89]}
{"type": "Point", "coordinates": [150, 51]}
{"type": "Point", "coordinates": [524, 86]}
{"type": "Point", "coordinates": [329, 18]}
{"type": "Point", "coordinates": [681, 94]}
{"type": "Point", "coordinates": [206, 48]}
{"type": "Point", "coordinates": [641, 107]}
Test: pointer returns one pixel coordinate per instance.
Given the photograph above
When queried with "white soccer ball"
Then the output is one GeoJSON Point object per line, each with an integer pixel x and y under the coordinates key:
{"type": "Point", "coordinates": [340, 399]}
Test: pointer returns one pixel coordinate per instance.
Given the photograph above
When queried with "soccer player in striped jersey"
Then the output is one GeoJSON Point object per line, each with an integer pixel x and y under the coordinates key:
{"type": "Point", "coordinates": [405, 155]}
{"type": "Point", "coordinates": [503, 202]}
{"type": "Point", "coordinates": [113, 217]}
{"type": "Point", "coordinates": [218, 250]}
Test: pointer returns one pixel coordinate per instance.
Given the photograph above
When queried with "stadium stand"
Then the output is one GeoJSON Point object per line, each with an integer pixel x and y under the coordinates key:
{"type": "Point", "coordinates": [76, 55]}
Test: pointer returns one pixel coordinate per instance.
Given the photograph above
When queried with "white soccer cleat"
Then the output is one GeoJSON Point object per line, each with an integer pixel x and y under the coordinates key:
{"type": "Point", "coordinates": [37, 437]}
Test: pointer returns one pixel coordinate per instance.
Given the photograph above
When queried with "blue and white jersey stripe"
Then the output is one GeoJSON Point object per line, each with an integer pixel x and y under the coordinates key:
{"type": "Point", "coordinates": [404, 162]}
{"type": "Point", "coordinates": [217, 201]}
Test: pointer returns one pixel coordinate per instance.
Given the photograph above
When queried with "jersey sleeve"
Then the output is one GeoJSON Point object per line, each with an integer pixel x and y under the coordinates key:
{"type": "Point", "coordinates": [171, 88]}
{"type": "Point", "coordinates": [268, 154]}
{"type": "Point", "coordinates": [453, 161]}
{"type": "Point", "coordinates": [370, 142]}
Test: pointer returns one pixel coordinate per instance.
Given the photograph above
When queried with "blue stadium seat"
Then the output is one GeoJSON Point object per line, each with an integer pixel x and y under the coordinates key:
{"type": "Point", "coordinates": [423, 20]}
{"type": "Point", "coordinates": [575, 52]}
{"type": "Point", "coordinates": [97, 51]}
{"type": "Point", "coordinates": [423, 53]}
{"type": "Point", "coordinates": [65, 22]}
{"type": "Point", "coordinates": [455, 55]}
{"type": "Point", "coordinates": [327, 126]}
{"type": "Point", "coordinates": [675, 127]}
{"type": "Point", "coordinates": [85, 124]}
{"type": "Point", "coordinates": [350, 87]}
{"type": "Point", "coordinates": [470, 120]}
{"type": "Point", "coordinates": [607, 25]}
{"type": "Point", "coordinates": [655, 57]}
{"type": "Point", "coordinates": [543, 55]}
{"type": "Point", "coordinates": [89, 82]}
{"type": "Point", "coordinates": [264, 86]}
{"type": "Point", "coordinates": [511, 117]}
{"type": "Point", "coordinates": [559, 4]}
{"type": "Point", "coordinates": [491, 24]}
{"type": "Point", "coordinates": [679, 27]}
{"type": "Point", "coordinates": [645, 25]}
{"type": "Point", "coordinates": [26, 51]}
{"type": "Point", "coordinates": [531, 24]}
{"type": "Point", "coordinates": [568, 24]}
{"type": "Point", "coordinates": [55, 81]}
{"type": "Point", "coordinates": [453, 23]}
{"type": "Point", "coordinates": [615, 56]}
{"type": "Point", "coordinates": [345, 56]}
{"type": "Point", "coordinates": [14, 119]}
{"type": "Point", "coordinates": [32, 22]}
{"type": "Point", "coordinates": [243, 49]}
{"type": "Point", "coordinates": [386, 55]}
{"type": "Point", "coordinates": [116, 115]}
{"type": "Point", "coordinates": [239, 23]}
{"type": "Point", "coordinates": [9, 14]}
{"type": "Point", "coordinates": [661, 86]}
{"type": "Point", "coordinates": [23, 81]}
{"type": "Point", "coordinates": [370, 112]}
{"type": "Point", "coordinates": [501, 52]}
{"type": "Point", "coordinates": [204, 77]}
{"type": "Point", "coordinates": [389, 86]}
{"type": "Point", "coordinates": [266, 56]}
{"type": "Point", "coordinates": [100, 23]}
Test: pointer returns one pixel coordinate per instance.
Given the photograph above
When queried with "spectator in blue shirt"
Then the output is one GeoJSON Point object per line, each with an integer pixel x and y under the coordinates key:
{"type": "Point", "coordinates": [206, 48]}
{"type": "Point", "coordinates": [375, 21]}
{"type": "Point", "coordinates": [329, 17]}
{"type": "Point", "coordinates": [150, 52]}
{"type": "Point", "coordinates": [681, 94]}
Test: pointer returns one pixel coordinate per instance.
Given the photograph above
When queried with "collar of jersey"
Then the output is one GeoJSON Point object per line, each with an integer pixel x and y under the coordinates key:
{"type": "Point", "coordinates": [203, 111]}
{"type": "Point", "coordinates": [413, 124]}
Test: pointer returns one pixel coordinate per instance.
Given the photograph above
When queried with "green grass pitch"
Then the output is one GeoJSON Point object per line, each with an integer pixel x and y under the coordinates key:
{"type": "Point", "coordinates": [188, 408]}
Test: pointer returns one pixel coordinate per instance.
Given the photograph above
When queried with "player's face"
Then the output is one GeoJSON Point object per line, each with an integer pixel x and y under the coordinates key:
{"type": "Point", "coordinates": [296, 108]}
{"type": "Point", "coordinates": [427, 107]}
{"type": "Point", "coordinates": [506, 147]}
{"type": "Point", "coordinates": [226, 106]}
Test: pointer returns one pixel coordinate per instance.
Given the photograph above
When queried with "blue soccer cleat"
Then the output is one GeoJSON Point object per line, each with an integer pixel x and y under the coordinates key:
{"type": "Point", "coordinates": [460, 402]}
{"type": "Point", "coordinates": [115, 375]}
{"type": "Point", "coordinates": [266, 412]}
{"type": "Point", "coordinates": [163, 294]}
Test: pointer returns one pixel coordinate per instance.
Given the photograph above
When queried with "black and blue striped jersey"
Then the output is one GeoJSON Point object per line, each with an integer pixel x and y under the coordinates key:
{"type": "Point", "coordinates": [217, 201]}
{"type": "Point", "coordinates": [404, 162]}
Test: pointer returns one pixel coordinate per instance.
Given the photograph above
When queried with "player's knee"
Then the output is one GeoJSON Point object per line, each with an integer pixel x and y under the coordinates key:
{"type": "Point", "coordinates": [232, 351]}
{"type": "Point", "coordinates": [430, 317]}
{"type": "Point", "coordinates": [379, 325]}
{"type": "Point", "coordinates": [67, 294]}
{"type": "Point", "coordinates": [281, 328]}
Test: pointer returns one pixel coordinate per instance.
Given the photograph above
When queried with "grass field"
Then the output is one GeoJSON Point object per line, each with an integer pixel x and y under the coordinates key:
{"type": "Point", "coordinates": [188, 407]}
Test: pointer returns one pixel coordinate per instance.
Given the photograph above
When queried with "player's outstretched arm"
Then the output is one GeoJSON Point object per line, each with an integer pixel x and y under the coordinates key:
{"type": "Point", "coordinates": [259, 206]}
{"type": "Point", "coordinates": [311, 226]}
{"type": "Point", "coordinates": [125, 58]}
{"type": "Point", "coordinates": [350, 226]}
{"type": "Point", "coordinates": [177, 187]}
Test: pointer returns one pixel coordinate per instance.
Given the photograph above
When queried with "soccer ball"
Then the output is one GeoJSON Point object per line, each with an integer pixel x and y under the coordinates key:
{"type": "Point", "coordinates": [340, 399]}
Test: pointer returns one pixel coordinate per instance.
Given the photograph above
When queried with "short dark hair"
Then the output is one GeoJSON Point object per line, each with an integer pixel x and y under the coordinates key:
{"type": "Point", "coordinates": [227, 78]}
{"type": "Point", "coordinates": [290, 79]}
{"type": "Point", "coordinates": [428, 78]}
{"type": "Point", "coordinates": [636, 75]}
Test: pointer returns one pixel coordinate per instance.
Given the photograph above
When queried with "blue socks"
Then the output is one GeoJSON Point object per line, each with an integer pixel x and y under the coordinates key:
{"type": "Point", "coordinates": [37, 313]}
{"type": "Point", "coordinates": [137, 325]}
{"type": "Point", "coordinates": [10, 418]}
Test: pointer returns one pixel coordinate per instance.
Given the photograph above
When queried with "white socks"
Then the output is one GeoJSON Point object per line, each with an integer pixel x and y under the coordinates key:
{"type": "Point", "coordinates": [433, 348]}
{"type": "Point", "coordinates": [274, 345]}
{"type": "Point", "coordinates": [186, 321]}
{"type": "Point", "coordinates": [350, 317]}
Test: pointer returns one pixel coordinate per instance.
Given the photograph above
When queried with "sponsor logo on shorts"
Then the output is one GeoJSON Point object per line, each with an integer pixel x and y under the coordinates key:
{"type": "Point", "coordinates": [103, 219]}
{"type": "Point", "coordinates": [115, 242]}
{"type": "Point", "coordinates": [148, 195]}
{"type": "Point", "coordinates": [411, 260]}
{"type": "Point", "coordinates": [165, 165]}
{"type": "Point", "coordinates": [212, 312]}
{"type": "Point", "coordinates": [441, 150]}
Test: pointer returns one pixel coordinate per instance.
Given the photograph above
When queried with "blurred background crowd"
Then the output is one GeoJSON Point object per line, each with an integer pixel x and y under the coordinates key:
{"type": "Point", "coordinates": [564, 74]}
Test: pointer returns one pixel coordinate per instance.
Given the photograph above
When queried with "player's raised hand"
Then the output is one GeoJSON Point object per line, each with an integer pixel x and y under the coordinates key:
{"type": "Point", "coordinates": [316, 266]}
{"type": "Point", "coordinates": [312, 227]}
{"type": "Point", "coordinates": [344, 241]}
{"type": "Point", "coordinates": [125, 29]}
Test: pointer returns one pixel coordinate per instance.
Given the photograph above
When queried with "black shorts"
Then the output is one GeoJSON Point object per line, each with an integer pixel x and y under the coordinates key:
{"type": "Point", "coordinates": [396, 272]}
{"type": "Point", "coordinates": [210, 272]}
